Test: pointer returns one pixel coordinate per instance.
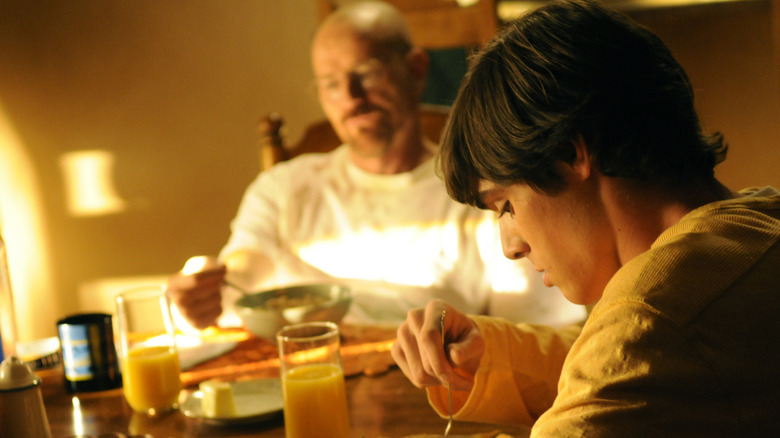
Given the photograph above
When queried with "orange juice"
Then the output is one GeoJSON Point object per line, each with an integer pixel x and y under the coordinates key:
{"type": "Point", "coordinates": [151, 378]}
{"type": "Point", "coordinates": [315, 402]}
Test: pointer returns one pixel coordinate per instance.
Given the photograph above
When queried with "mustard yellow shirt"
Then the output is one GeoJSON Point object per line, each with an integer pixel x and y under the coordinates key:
{"type": "Point", "coordinates": [685, 341]}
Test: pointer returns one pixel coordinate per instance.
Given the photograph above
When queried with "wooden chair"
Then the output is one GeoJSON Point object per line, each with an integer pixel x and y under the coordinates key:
{"type": "Point", "coordinates": [434, 24]}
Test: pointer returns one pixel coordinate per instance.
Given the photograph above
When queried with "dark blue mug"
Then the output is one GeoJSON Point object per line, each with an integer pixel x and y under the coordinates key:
{"type": "Point", "coordinates": [89, 356]}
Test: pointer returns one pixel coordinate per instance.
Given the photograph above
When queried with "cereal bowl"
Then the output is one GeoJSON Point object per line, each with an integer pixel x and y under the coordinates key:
{"type": "Point", "coordinates": [264, 313]}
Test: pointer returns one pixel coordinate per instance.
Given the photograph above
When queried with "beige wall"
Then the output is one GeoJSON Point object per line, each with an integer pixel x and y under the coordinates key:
{"type": "Point", "coordinates": [174, 90]}
{"type": "Point", "coordinates": [728, 53]}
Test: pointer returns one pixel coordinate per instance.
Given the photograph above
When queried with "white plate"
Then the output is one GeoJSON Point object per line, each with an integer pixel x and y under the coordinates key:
{"type": "Point", "coordinates": [256, 400]}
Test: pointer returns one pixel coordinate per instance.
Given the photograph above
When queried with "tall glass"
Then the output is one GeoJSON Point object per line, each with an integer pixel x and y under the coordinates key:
{"type": "Point", "coordinates": [315, 399]}
{"type": "Point", "coordinates": [147, 349]}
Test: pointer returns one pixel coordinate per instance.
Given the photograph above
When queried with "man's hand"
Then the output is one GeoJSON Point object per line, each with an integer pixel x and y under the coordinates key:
{"type": "Point", "coordinates": [196, 290]}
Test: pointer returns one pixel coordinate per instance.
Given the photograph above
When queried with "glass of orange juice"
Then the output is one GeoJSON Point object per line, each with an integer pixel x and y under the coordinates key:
{"type": "Point", "coordinates": [147, 350]}
{"type": "Point", "coordinates": [315, 399]}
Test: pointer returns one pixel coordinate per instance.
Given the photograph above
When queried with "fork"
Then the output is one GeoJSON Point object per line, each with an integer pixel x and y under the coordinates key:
{"type": "Point", "coordinates": [449, 391]}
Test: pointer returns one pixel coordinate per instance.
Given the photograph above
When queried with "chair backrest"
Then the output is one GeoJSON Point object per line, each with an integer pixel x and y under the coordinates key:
{"type": "Point", "coordinates": [434, 24]}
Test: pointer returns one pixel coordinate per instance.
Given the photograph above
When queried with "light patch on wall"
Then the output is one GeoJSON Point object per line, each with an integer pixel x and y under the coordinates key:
{"type": "Point", "coordinates": [22, 225]}
{"type": "Point", "coordinates": [89, 183]}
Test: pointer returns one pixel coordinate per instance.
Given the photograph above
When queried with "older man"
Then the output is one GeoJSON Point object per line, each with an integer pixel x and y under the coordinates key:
{"type": "Point", "coordinates": [372, 214]}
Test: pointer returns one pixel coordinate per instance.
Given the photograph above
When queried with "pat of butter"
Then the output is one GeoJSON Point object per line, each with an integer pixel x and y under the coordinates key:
{"type": "Point", "coordinates": [217, 399]}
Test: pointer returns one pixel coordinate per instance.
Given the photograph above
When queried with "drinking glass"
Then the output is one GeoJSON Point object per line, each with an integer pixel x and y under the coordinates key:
{"type": "Point", "coordinates": [315, 399]}
{"type": "Point", "coordinates": [147, 349]}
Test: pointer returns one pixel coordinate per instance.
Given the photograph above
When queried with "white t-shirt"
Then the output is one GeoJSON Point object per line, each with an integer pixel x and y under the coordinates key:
{"type": "Point", "coordinates": [396, 240]}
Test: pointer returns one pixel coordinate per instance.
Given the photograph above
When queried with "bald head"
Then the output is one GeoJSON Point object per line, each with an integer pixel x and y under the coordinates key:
{"type": "Point", "coordinates": [369, 79]}
{"type": "Point", "coordinates": [377, 23]}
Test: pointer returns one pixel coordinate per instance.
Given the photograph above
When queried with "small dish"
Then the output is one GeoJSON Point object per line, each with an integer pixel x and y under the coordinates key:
{"type": "Point", "coordinates": [40, 354]}
{"type": "Point", "coordinates": [256, 401]}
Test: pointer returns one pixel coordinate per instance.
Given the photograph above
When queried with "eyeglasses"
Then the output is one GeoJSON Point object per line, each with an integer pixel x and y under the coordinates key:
{"type": "Point", "coordinates": [369, 75]}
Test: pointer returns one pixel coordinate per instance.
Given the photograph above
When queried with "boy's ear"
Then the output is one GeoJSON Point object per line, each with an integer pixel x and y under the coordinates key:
{"type": "Point", "coordinates": [581, 166]}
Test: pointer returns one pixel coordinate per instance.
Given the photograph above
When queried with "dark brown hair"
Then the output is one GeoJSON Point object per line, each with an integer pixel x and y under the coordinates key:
{"type": "Point", "coordinates": [574, 69]}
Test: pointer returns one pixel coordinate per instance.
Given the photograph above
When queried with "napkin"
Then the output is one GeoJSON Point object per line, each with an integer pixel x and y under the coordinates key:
{"type": "Point", "coordinates": [194, 350]}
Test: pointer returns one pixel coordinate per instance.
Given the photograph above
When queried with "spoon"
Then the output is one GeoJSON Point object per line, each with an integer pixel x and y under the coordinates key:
{"type": "Point", "coordinates": [449, 391]}
{"type": "Point", "coordinates": [236, 287]}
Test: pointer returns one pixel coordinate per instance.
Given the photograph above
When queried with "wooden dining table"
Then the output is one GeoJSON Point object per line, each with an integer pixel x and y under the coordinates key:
{"type": "Point", "coordinates": [382, 402]}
